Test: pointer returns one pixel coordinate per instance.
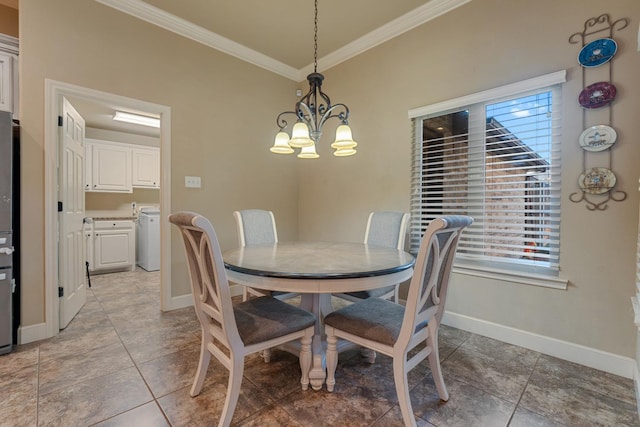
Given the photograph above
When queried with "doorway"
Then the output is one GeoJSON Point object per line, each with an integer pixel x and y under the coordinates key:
{"type": "Point", "coordinates": [54, 94]}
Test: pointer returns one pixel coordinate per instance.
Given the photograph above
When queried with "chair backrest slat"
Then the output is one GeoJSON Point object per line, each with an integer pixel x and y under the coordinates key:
{"type": "Point", "coordinates": [386, 228]}
{"type": "Point", "coordinates": [255, 227]}
{"type": "Point", "coordinates": [430, 281]}
{"type": "Point", "coordinates": [209, 284]}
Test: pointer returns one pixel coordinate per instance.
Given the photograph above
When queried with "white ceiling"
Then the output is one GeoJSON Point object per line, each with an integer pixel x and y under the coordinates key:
{"type": "Point", "coordinates": [275, 34]}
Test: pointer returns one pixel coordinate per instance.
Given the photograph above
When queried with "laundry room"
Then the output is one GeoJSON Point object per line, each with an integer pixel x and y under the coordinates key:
{"type": "Point", "coordinates": [122, 199]}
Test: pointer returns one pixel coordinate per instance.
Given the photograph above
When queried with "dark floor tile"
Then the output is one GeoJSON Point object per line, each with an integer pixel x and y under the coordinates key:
{"type": "Point", "coordinates": [62, 345]}
{"type": "Point", "coordinates": [174, 371]}
{"type": "Point", "coordinates": [525, 418]}
{"type": "Point", "coordinates": [556, 398]}
{"type": "Point", "coordinates": [586, 378]}
{"type": "Point", "coordinates": [271, 416]}
{"type": "Point", "coordinates": [348, 405]}
{"type": "Point", "coordinates": [55, 373]}
{"type": "Point", "coordinates": [94, 400]}
{"type": "Point", "coordinates": [279, 377]}
{"type": "Point", "coordinates": [206, 408]}
{"type": "Point", "coordinates": [393, 418]}
{"type": "Point", "coordinates": [147, 415]}
{"type": "Point", "coordinates": [467, 405]}
{"type": "Point", "coordinates": [149, 344]}
{"type": "Point", "coordinates": [21, 356]}
{"type": "Point", "coordinates": [504, 376]}
{"type": "Point", "coordinates": [18, 396]}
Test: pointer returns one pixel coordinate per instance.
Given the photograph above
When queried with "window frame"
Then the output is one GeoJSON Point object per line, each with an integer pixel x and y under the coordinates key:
{"type": "Point", "coordinates": [510, 271]}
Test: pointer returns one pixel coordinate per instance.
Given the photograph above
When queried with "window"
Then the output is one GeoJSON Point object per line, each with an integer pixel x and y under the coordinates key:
{"type": "Point", "coordinates": [494, 156]}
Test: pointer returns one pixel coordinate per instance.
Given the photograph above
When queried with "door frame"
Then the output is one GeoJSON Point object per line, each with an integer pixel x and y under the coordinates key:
{"type": "Point", "coordinates": [54, 91]}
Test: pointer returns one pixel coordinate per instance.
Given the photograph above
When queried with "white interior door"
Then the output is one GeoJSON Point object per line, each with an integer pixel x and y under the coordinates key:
{"type": "Point", "coordinates": [71, 242]}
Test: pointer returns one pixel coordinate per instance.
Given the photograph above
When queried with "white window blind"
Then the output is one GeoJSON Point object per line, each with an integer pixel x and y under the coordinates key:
{"type": "Point", "coordinates": [497, 160]}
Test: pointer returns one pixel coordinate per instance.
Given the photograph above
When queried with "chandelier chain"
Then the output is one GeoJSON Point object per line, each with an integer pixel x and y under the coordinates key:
{"type": "Point", "coordinates": [315, 38]}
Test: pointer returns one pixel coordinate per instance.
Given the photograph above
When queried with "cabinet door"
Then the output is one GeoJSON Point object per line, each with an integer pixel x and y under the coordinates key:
{"type": "Point", "coordinates": [113, 249]}
{"type": "Point", "coordinates": [88, 169]}
{"type": "Point", "coordinates": [6, 82]}
{"type": "Point", "coordinates": [146, 167]}
{"type": "Point", "coordinates": [111, 168]}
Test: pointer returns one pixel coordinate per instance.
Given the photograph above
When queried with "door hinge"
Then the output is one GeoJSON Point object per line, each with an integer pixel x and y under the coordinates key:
{"type": "Point", "coordinates": [60, 291]}
{"type": "Point", "coordinates": [59, 206]}
{"type": "Point", "coordinates": [59, 120]}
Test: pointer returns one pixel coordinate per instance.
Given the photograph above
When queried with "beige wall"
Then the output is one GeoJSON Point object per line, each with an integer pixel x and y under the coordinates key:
{"type": "Point", "coordinates": [8, 21]}
{"type": "Point", "coordinates": [484, 44]}
{"type": "Point", "coordinates": [223, 120]}
{"type": "Point", "coordinates": [481, 45]}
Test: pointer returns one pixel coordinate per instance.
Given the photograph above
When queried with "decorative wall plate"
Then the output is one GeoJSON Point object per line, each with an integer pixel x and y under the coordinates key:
{"type": "Point", "coordinates": [597, 95]}
{"type": "Point", "coordinates": [597, 52]}
{"type": "Point", "coordinates": [597, 138]}
{"type": "Point", "coordinates": [597, 180]}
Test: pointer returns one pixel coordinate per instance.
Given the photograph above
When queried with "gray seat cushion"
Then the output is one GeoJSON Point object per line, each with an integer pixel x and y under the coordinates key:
{"type": "Point", "coordinates": [264, 318]}
{"type": "Point", "coordinates": [374, 319]}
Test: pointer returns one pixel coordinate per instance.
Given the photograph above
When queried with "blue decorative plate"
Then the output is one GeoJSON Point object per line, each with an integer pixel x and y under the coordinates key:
{"type": "Point", "coordinates": [597, 52]}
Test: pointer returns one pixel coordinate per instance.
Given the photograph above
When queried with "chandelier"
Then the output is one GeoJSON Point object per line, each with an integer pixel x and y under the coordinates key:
{"type": "Point", "coordinates": [311, 112]}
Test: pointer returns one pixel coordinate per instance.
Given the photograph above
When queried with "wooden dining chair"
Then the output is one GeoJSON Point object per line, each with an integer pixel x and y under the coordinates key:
{"type": "Point", "coordinates": [384, 228]}
{"type": "Point", "coordinates": [395, 330]}
{"type": "Point", "coordinates": [230, 333]}
{"type": "Point", "coordinates": [258, 227]}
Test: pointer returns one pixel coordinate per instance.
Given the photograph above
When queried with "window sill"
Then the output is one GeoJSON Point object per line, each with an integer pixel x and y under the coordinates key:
{"type": "Point", "coordinates": [523, 278]}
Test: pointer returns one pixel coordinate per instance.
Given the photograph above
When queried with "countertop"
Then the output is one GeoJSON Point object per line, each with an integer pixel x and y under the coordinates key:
{"type": "Point", "coordinates": [113, 218]}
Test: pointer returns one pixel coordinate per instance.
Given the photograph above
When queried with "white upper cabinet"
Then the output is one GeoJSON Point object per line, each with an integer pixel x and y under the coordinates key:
{"type": "Point", "coordinates": [146, 167]}
{"type": "Point", "coordinates": [118, 168]}
{"type": "Point", "coordinates": [111, 168]}
{"type": "Point", "coordinates": [6, 82]}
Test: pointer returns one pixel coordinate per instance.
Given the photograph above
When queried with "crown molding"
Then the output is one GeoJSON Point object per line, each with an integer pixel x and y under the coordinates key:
{"type": "Point", "coordinates": [398, 26]}
{"type": "Point", "coordinates": [167, 21]}
{"type": "Point", "coordinates": [153, 15]}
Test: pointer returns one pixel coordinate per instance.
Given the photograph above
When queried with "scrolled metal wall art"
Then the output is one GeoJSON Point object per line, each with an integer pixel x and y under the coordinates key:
{"type": "Point", "coordinates": [597, 184]}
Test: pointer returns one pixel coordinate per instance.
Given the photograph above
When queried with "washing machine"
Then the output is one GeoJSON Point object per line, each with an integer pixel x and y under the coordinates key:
{"type": "Point", "coordinates": [148, 239]}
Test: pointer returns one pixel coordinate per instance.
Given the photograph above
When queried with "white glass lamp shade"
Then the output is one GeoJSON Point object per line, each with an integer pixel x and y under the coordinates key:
{"type": "Point", "coordinates": [300, 136]}
{"type": "Point", "coordinates": [344, 152]}
{"type": "Point", "coordinates": [343, 139]}
{"type": "Point", "coordinates": [308, 152]}
{"type": "Point", "coordinates": [281, 146]}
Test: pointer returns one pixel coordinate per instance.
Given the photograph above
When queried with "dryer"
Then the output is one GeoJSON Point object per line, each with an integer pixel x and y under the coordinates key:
{"type": "Point", "coordinates": [148, 239]}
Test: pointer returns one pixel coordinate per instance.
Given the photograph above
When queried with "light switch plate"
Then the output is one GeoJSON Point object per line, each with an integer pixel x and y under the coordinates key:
{"type": "Point", "coordinates": [192, 182]}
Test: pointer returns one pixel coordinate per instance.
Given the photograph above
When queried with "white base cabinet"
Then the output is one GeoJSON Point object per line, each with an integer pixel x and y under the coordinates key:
{"type": "Point", "coordinates": [113, 245]}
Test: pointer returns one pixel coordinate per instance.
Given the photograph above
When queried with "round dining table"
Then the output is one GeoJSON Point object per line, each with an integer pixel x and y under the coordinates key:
{"type": "Point", "coordinates": [316, 270]}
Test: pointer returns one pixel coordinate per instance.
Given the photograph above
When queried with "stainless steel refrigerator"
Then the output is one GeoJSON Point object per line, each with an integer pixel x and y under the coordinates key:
{"type": "Point", "coordinates": [8, 229]}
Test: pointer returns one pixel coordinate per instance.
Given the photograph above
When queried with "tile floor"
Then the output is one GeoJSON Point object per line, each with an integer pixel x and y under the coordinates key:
{"type": "Point", "coordinates": [123, 363]}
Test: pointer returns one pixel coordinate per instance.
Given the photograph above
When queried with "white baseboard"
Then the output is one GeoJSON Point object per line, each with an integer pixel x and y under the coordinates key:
{"type": "Point", "coordinates": [587, 356]}
{"type": "Point", "coordinates": [179, 302]}
{"type": "Point", "coordinates": [187, 300]}
{"type": "Point", "coordinates": [31, 333]}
